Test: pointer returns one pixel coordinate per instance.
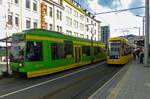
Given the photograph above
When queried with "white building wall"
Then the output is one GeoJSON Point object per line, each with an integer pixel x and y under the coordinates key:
{"type": "Point", "coordinates": [20, 10]}
{"type": "Point", "coordinates": [58, 21]}
{"type": "Point", "coordinates": [76, 31]}
{"type": "Point", "coordinates": [92, 26]}
{"type": "Point", "coordinates": [48, 18]}
{"type": "Point", "coordinates": [25, 13]}
{"type": "Point", "coordinates": [2, 18]}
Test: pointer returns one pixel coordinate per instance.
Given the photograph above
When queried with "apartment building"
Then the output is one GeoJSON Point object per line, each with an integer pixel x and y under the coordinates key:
{"type": "Point", "coordinates": [18, 15]}
{"type": "Point", "coordinates": [79, 22]}
{"type": "Point", "coordinates": [65, 16]}
{"type": "Point", "coordinates": [51, 15]}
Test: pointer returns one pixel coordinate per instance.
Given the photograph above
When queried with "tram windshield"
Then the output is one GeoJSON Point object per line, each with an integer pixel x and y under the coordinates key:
{"type": "Point", "coordinates": [17, 48]}
{"type": "Point", "coordinates": [114, 49]}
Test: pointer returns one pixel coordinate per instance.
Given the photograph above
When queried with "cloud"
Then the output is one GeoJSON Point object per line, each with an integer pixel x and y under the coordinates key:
{"type": "Point", "coordinates": [112, 4]}
{"type": "Point", "coordinates": [85, 4]}
{"type": "Point", "coordinates": [137, 3]}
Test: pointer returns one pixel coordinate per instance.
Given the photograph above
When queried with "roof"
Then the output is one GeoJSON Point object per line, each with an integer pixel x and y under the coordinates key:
{"type": "Point", "coordinates": [47, 33]}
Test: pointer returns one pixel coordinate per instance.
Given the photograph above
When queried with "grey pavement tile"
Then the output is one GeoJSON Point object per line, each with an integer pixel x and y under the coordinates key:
{"type": "Point", "coordinates": [137, 85]}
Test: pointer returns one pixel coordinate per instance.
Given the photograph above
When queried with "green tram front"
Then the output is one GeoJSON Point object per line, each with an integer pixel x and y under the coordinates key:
{"type": "Point", "coordinates": [23, 52]}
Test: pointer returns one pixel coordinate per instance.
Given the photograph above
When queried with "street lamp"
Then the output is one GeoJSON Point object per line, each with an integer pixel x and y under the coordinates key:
{"type": "Point", "coordinates": [143, 21]}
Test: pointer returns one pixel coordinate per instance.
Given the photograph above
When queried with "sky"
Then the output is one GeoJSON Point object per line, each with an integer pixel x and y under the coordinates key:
{"type": "Point", "coordinates": [121, 23]}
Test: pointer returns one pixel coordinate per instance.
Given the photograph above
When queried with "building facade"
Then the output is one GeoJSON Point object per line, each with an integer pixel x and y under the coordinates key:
{"type": "Point", "coordinates": [105, 33]}
{"type": "Point", "coordinates": [65, 16]}
{"type": "Point", "coordinates": [18, 15]}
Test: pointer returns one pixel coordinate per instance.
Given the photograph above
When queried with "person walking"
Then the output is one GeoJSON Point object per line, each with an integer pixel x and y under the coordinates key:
{"type": "Point", "coordinates": [141, 56]}
{"type": "Point", "coordinates": [134, 54]}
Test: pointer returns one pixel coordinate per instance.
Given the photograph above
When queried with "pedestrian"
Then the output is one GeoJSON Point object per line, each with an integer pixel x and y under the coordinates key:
{"type": "Point", "coordinates": [141, 56]}
{"type": "Point", "coordinates": [138, 53]}
{"type": "Point", "coordinates": [134, 54]}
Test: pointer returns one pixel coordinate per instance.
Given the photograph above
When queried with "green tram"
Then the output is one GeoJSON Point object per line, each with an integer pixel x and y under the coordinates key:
{"type": "Point", "coordinates": [38, 52]}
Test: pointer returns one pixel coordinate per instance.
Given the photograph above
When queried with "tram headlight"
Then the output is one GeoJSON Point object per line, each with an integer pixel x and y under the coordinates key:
{"type": "Point", "coordinates": [20, 64]}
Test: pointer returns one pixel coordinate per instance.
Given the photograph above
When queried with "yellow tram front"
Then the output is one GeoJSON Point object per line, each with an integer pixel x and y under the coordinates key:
{"type": "Point", "coordinates": [119, 51]}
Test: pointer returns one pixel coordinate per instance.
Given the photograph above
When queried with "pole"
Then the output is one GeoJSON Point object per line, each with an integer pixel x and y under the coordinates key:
{"type": "Point", "coordinates": [92, 50]}
{"type": "Point", "coordinates": [146, 33]}
{"type": "Point", "coordinates": [143, 26]}
{"type": "Point", "coordinates": [139, 31]}
{"type": "Point", "coordinates": [7, 57]}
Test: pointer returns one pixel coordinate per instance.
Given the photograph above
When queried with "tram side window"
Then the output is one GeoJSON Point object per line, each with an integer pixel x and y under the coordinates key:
{"type": "Point", "coordinates": [34, 51]}
{"type": "Point", "coordinates": [96, 50]}
{"type": "Point", "coordinates": [68, 49]}
{"type": "Point", "coordinates": [86, 50]}
{"type": "Point", "coordinates": [57, 51]}
{"type": "Point", "coordinates": [124, 49]}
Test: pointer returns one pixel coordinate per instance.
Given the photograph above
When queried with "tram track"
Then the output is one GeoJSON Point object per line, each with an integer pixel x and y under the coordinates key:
{"type": "Point", "coordinates": [71, 82]}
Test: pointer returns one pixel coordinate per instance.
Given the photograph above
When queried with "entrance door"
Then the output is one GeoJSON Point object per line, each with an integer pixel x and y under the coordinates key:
{"type": "Point", "coordinates": [77, 50]}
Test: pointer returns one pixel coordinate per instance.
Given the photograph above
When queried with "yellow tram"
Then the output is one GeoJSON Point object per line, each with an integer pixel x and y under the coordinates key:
{"type": "Point", "coordinates": [119, 51]}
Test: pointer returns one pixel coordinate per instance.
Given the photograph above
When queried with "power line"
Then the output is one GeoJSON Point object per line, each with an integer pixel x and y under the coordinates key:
{"type": "Point", "coordinates": [120, 10]}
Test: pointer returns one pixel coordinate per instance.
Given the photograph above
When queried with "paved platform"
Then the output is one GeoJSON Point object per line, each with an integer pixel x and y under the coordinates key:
{"type": "Point", "coordinates": [135, 84]}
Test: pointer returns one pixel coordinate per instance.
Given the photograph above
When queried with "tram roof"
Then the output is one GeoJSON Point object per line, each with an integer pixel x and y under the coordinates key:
{"type": "Point", "coordinates": [118, 38]}
{"type": "Point", "coordinates": [47, 33]}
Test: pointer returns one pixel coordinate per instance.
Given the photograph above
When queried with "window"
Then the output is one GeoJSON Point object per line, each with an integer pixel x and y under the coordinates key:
{"type": "Point", "coordinates": [69, 21]}
{"type": "Point", "coordinates": [35, 24]}
{"type": "Point", "coordinates": [81, 35]}
{"type": "Point", "coordinates": [87, 28]}
{"type": "Point", "coordinates": [68, 9]}
{"type": "Point", "coordinates": [34, 51]}
{"type": "Point", "coordinates": [87, 36]}
{"type": "Point", "coordinates": [75, 24]}
{"type": "Point", "coordinates": [75, 34]}
{"type": "Point", "coordinates": [60, 28]}
{"type": "Point", "coordinates": [28, 4]}
{"type": "Point", "coordinates": [87, 19]}
{"type": "Point", "coordinates": [45, 9]}
{"type": "Point", "coordinates": [81, 17]}
{"type": "Point", "coordinates": [50, 26]}
{"type": "Point", "coordinates": [86, 50]}
{"type": "Point", "coordinates": [95, 32]}
{"type": "Point", "coordinates": [68, 49]}
{"type": "Point", "coordinates": [10, 21]}
{"type": "Point", "coordinates": [96, 50]}
{"type": "Point", "coordinates": [75, 13]}
{"type": "Point", "coordinates": [17, 20]}
{"type": "Point", "coordinates": [57, 50]}
{"type": "Point", "coordinates": [57, 14]}
{"type": "Point", "coordinates": [91, 22]}
{"type": "Point", "coordinates": [28, 23]}
{"type": "Point", "coordinates": [60, 15]}
{"type": "Point", "coordinates": [50, 12]}
{"type": "Point", "coordinates": [16, 1]}
{"type": "Point", "coordinates": [57, 28]}
{"type": "Point", "coordinates": [69, 32]}
{"type": "Point", "coordinates": [81, 27]}
{"type": "Point", "coordinates": [35, 5]}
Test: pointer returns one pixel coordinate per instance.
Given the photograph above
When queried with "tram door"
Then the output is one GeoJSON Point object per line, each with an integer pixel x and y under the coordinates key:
{"type": "Point", "coordinates": [77, 50]}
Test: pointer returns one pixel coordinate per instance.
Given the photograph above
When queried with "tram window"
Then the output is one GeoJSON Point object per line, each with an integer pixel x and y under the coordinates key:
{"type": "Point", "coordinates": [34, 51]}
{"type": "Point", "coordinates": [57, 51]}
{"type": "Point", "coordinates": [114, 49]}
{"type": "Point", "coordinates": [68, 49]}
{"type": "Point", "coordinates": [96, 50]}
{"type": "Point", "coordinates": [86, 50]}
